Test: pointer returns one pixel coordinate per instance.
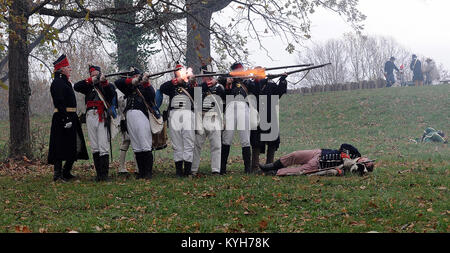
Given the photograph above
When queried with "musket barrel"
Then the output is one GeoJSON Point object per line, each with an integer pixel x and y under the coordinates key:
{"type": "Point", "coordinates": [119, 74]}
{"type": "Point", "coordinates": [131, 72]}
{"type": "Point", "coordinates": [289, 67]}
{"type": "Point", "coordinates": [298, 70]}
{"type": "Point", "coordinates": [164, 72]}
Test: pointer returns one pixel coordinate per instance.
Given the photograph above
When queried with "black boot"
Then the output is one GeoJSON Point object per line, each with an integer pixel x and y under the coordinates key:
{"type": "Point", "coordinates": [270, 154]}
{"type": "Point", "coordinates": [179, 168]}
{"type": "Point", "coordinates": [225, 152]}
{"type": "Point", "coordinates": [57, 171]}
{"type": "Point", "coordinates": [66, 170]}
{"type": "Point", "coordinates": [149, 165]}
{"type": "Point", "coordinates": [255, 158]}
{"type": "Point", "coordinates": [141, 164]}
{"type": "Point", "coordinates": [105, 167]}
{"type": "Point", "coordinates": [247, 157]}
{"type": "Point", "coordinates": [271, 166]}
{"type": "Point", "coordinates": [97, 165]}
{"type": "Point", "coordinates": [187, 168]}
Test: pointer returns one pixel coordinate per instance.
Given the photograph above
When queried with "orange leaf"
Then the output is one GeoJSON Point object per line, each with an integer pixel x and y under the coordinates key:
{"type": "Point", "coordinates": [263, 224]}
{"type": "Point", "coordinates": [22, 229]}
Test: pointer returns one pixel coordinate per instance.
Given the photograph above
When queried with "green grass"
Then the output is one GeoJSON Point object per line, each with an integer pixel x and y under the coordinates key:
{"type": "Point", "coordinates": [379, 122]}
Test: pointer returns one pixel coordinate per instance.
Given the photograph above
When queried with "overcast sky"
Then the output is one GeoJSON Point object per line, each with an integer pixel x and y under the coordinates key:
{"type": "Point", "coordinates": [421, 26]}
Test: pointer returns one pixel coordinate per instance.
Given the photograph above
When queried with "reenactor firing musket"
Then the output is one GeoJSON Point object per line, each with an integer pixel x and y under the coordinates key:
{"type": "Point", "coordinates": [129, 73]}
{"type": "Point", "coordinates": [238, 74]}
{"type": "Point", "coordinates": [261, 72]}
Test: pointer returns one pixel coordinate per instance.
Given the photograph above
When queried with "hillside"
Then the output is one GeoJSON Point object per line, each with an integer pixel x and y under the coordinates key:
{"type": "Point", "coordinates": [407, 192]}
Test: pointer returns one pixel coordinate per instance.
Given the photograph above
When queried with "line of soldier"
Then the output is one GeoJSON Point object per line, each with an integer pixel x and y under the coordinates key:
{"type": "Point", "coordinates": [67, 140]}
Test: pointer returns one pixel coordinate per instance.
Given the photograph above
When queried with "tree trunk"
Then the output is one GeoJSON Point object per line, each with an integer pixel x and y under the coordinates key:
{"type": "Point", "coordinates": [198, 51]}
{"type": "Point", "coordinates": [126, 38]}
{"type": "Point", "coordinates": [19, 87]}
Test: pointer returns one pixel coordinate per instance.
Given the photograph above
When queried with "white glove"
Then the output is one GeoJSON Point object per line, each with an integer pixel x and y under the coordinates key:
{"type": "Point", "coordinates": [68, 125]}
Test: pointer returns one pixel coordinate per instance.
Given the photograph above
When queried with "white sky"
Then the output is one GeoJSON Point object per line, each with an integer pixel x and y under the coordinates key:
{"type": "Point", "coordinates": [421, 26]}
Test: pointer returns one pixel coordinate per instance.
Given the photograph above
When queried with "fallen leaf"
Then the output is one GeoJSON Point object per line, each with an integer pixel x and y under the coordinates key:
{"type": "Point", "coordinates": [263, 224]}
{"type": "Point", "coordinates": [22, 229]}
{"type": "Point", "coordinates": [373, 204]}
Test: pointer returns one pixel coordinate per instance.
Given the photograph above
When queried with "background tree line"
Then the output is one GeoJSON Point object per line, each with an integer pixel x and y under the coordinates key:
{"type": "Point", "coordinates": [357, 58]}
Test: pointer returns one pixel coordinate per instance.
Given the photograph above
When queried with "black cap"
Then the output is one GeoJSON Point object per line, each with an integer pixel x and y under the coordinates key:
{"type": "Point", "coordinates": [237, 65]}
{"type": "Point", "coordinates": [347, 148]}
{"type": "Point", "coordinates": [93, 68]}
{"type": "Point", "coordinates": [135, 71]}
{"type": "Point", "coordinates": [206, 69]}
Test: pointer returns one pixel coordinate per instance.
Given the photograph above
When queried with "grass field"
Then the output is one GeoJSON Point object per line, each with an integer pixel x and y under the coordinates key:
{"type": "Point", "coordinates": [408, 192]}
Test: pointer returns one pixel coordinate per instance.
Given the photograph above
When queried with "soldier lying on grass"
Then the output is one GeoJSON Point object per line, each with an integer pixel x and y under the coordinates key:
{"type": "Point", "coordinates": [321, 162]}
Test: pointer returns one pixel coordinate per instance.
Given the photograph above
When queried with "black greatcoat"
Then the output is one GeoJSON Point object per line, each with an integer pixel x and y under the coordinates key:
{"type": "Point", "coordinates": [269, 88]}
{"type": "Point", "coordinates": [66, 144]}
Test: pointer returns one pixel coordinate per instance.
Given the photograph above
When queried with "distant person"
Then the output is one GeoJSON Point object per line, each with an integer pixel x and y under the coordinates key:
{"type": "Point", "coordinates": [389, 68]}
{"type": "Point", "coordinates": [431, 72]}
{"type": "Point", "coordinates": [321, 162]}
{"type": "Point", "coordinates": [401, 76]}
{"type": "Point", "coordinates": [416, 67]}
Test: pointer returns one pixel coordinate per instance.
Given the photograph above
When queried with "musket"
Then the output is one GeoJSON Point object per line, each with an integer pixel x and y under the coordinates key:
{"type": "Point", "coordinates": [333, 168]}
{"type": "Point", "coordinates": [262, 69]}
{"type": "Point", "coordinates": [290, 67]}
{"type": "Point", "coordinates": [297, 71]}
{"type": "Point", "coordinates": [151, 75]}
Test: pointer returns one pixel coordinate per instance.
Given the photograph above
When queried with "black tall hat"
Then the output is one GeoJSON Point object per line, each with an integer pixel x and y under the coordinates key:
{"type": "Point", "coordinates": [94, 68]}
{"type": "Point", "coordinates": [135, 71]}
{"type": "Point", "coordinates": [206, 69]}
{"type": "Point", "coordinates": [237, 65]}
{"type": "Point", "coordinates": [347, 148]}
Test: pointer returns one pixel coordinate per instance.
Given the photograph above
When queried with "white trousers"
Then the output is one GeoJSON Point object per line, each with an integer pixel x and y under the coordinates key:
{"type": "Point", "coordinates": [98, 133]}
{"type": "Point", "coordinates": [237, 118]}
{"type": "Point", "coordinates": [139, 131]}
{"type": "Point", "coordinates": [182, 134]}
{"type": "Point", "coordinates": [215, 142]}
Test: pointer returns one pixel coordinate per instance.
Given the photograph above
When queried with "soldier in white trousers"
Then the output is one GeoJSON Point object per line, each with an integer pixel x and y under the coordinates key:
{"type": "Point", "coordinates": [97, 91]}
{"type": "Point", "coordinates": [237, 117]}
{"type": "Point", "coordinates": [139, 94]}
{"type": "Point", "coordinates": [213, 95]}
{"type": "Point", "coordinates": [181, 121]}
